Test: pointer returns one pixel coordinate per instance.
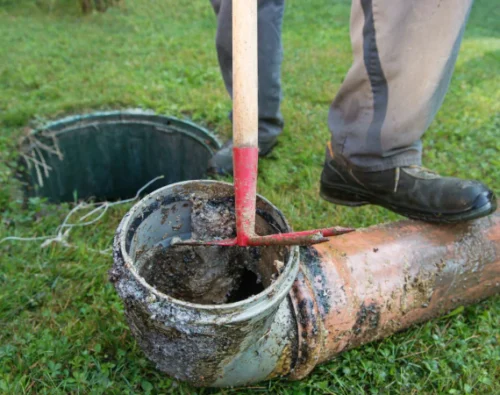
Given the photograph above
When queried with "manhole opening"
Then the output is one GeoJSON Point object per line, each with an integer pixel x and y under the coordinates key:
{"type": "Point", "coordinates": [111, 155]}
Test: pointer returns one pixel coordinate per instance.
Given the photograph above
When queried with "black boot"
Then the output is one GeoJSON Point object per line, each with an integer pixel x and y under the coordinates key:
{"type": "Point", "coordinates": [412, 191]}
{"type": "Point", "coordinates": [222, 162]}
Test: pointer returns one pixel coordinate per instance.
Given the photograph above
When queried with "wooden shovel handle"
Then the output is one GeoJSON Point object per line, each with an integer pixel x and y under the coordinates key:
{"type": "Point", "coordinates": [245, 117]}
{"type": "Point", "coordinates": [245, 80]}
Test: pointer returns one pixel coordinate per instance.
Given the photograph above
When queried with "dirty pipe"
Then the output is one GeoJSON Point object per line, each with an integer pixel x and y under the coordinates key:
{"type": "Point", "coordinates": [354, 289]}
{"type": "Point", "coordinates": [372, 283]}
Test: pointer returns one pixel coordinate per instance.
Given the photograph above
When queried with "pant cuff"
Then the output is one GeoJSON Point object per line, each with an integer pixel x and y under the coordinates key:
{"type": "Point", "coordinates": [374, 164]}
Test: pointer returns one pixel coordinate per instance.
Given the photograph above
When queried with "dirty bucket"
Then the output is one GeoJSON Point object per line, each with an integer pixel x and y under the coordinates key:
{"type": "Point", "coordinates": [208, 344]}
{"type": "Point", "coordinates": [111, 155]}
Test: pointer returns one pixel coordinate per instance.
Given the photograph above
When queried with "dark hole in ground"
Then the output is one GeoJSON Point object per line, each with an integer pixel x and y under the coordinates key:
{"type": "Point", "coordinates": [111, 155]}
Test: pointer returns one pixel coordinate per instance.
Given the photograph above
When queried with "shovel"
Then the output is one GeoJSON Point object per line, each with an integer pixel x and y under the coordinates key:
{"type": "Point", "coordinates": [245, 142]}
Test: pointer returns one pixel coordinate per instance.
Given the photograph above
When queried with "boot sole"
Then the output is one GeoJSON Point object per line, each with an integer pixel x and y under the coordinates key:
{"type": "Point", "coordinates": [353, 197]}
{"type": "Point", "coordinates": [269, 149]}
{"type": "Point", "coordinates": [343, 198]}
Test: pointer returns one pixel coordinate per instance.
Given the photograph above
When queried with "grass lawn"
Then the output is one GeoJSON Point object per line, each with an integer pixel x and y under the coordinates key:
{"type": "Point", "coordinates": [61, 324]}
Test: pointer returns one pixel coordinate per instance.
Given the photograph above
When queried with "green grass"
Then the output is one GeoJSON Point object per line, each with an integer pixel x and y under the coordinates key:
{"type": "Point", "coordinates": [61, 324]}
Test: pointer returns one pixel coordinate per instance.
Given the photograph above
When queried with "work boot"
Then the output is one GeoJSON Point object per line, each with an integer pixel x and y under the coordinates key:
{"type": "Point", "coordinates": [222, 162]}
{"type": "Point", "coordinates": [412, 191]}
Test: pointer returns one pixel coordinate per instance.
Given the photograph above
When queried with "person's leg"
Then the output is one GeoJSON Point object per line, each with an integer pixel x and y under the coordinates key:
{"type": "Point", "coordinates": [404, 53]}
{"type": "Point", "coordinates": [270, 18]}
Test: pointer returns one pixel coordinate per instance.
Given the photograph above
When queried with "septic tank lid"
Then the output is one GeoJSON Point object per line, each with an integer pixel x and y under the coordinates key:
{"type": "Point", "coordinates": [111, 155]}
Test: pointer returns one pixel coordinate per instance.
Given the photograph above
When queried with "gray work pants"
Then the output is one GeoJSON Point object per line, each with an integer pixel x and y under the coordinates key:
{"type": "Point", "coordinates": [404, 52]}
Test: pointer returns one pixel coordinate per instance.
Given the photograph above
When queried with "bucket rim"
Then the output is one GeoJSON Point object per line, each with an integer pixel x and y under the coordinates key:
{"type": "Point", "coordinates": [272, 294]}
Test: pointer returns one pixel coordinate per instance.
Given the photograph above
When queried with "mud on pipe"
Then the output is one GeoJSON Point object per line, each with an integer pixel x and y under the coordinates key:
{"type": "Point", "coordinates": [356, 288]}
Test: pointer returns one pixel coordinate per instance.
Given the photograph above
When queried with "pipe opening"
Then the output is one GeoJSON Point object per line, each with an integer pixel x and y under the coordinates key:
{"type": "Point", "coordinates": [209, 275]}
{"type": "Point", "coordinates": [200, 314]}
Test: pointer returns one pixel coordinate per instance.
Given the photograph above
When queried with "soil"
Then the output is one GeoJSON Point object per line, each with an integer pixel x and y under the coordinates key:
{"type": "Point", "coordinates": [211, 274]}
